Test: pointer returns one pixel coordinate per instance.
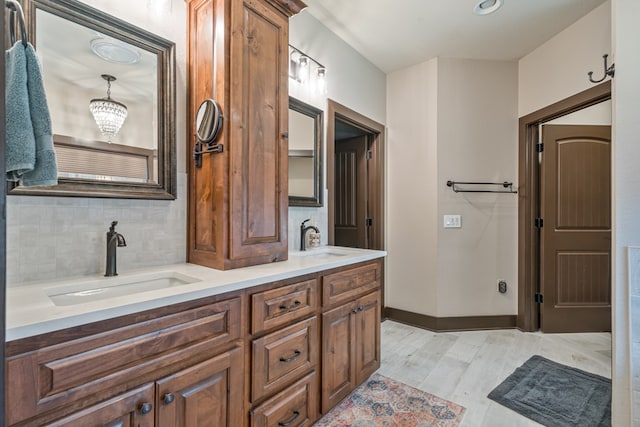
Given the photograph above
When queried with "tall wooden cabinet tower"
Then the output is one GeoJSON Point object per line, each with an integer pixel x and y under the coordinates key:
{"type": "Point", "coordinates": [238, 199]}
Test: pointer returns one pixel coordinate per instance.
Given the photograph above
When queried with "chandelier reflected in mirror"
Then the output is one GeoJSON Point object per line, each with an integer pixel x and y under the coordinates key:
{"type": "Point", "coordinates": [108, 113]}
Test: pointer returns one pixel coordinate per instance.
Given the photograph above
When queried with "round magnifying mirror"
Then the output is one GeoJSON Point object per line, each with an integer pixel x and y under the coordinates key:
{"type": "Point", "coordinates": [208, 121]}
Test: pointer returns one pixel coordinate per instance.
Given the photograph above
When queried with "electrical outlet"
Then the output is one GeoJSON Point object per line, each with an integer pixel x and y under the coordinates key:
{"type": "Point", "coordinates": [502, 287]}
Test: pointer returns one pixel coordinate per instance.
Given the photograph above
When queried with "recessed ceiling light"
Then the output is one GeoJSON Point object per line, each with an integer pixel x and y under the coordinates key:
{"type": "Point", "coordinates": [485, 7]}
{"type": "Point", "coordinates": [113, 51]}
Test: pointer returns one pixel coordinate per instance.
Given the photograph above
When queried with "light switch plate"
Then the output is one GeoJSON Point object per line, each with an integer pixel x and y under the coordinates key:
{"type": "Point", "coordinates": [452, 221]}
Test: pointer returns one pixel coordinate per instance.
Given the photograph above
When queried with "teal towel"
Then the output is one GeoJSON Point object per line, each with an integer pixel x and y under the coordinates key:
{"type": "Point", "coordinates": [20, 139]}
{"type": "Point", "coordinates": [45, 171]}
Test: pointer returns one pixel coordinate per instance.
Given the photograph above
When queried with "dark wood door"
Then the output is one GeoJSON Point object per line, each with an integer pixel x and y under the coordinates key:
{"type": "Point", "coordinates": [575, 271]}
{"type": "Point", "coordinates": [134, 408]}
{"type": "Point", "coordinates": [367, 324]}
{"type": "Point", "coordinates": [207, 394]}
{"type": "Point", "coordinates": [351, 193]}
{"type": "Point", "coordinates": [339, 347]}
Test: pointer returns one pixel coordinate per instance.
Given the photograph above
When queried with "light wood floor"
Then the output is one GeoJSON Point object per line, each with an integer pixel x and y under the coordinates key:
{"type": "Point", "coordinates": [465, 366]}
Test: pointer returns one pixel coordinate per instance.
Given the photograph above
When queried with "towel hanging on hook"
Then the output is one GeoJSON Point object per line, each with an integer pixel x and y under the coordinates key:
{"type": "Point", "coordinates": [16, 9]}
{"type": "Point", "coordinates": [608, 71]}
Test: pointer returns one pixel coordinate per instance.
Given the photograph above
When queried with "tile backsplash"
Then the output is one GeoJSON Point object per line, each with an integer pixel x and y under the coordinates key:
{"type": "Point", "coordinates": [56, 237]}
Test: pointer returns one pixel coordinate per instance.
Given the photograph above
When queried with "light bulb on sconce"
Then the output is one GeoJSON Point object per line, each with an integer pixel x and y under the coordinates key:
{"type": "Point", "coordinates": [303, 69]}
{"type": "Point", "coordinates": [159, 7]}
{"type": "Point", "coordinates": [321, 81]}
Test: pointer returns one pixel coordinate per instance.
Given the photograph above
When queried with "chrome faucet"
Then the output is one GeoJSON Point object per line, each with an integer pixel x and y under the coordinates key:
{"type": "Point", "coordinates": [114, 240]}
{"type": "Point", "coordinates": [303, 232]}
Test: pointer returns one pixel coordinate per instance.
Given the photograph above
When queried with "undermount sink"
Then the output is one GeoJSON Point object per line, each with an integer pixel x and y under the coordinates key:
{"type": "Point", "coordinates": [322, 253]}
{"type": "Point", "coordinates": [99, 289]}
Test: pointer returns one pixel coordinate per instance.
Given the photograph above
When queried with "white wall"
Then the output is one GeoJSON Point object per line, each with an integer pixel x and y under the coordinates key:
{"type": "Point", "coordinates": [477, 141]}
{"type": "Point", "coordinates": [69, 232]}
{"type": "Point", "coordinates": [558, 68]}
{"type": "Point", "coordinates": [351, 81]}
{"type": "Point", "coordinates": [626, 206]}
{"type": "Point", "coordinates": [451, 119]}
{"type": "Point", "coordinates": [412, 188]}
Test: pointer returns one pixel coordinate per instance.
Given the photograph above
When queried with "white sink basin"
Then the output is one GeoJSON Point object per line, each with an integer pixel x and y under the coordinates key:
{"type": "Point", "coordinates": [99, 289]}
{"type": "Point", "coordinates": [322, 253]}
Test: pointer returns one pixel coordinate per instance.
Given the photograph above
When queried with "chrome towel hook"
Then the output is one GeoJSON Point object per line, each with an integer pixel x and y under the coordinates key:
{"type": "Point", "coordinates": [608, 71]}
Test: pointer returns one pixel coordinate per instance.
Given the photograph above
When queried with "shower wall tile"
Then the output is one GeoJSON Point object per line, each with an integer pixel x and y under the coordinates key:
{"type": "Point", "coordinates": [57, 237]}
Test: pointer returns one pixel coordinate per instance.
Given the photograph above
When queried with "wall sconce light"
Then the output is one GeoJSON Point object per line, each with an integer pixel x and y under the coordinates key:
{"type": "Point", "coordinates": [304, 69]}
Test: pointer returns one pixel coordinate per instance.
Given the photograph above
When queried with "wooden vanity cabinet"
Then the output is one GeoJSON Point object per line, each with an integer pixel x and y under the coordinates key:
{"type": "Point", "coordinates": [277, 354]}
{"type": "Point", "coordinates": [122, 371]}
{"type": "Point", "coordinates": [285, 354]}
{"type": "Point", "coordinates": [238, 198]}
{"type": "Point", "coordinates": [350, 331]}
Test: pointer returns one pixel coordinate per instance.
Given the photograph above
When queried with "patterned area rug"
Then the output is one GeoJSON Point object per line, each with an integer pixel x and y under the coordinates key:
{"type": "Point", "coordinates": [383, 402]}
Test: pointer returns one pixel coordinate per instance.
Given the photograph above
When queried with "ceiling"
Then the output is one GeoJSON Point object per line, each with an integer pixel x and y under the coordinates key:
{"type": "Point", "coordinates": [395, 35]}
{"type": "Point", "coordinates": [65, 51]}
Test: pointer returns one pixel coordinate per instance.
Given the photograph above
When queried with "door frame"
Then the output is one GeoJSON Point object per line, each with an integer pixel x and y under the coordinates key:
{"type": "Point", "coordinates": [376, 133]}
{"type": "Point", "coordinates": [529, 197]}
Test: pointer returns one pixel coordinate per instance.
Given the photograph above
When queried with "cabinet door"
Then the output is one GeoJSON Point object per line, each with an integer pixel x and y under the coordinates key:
{"type": "Point", "coordinates": [204, 395]}
{"type": "Point", "coordinates": [132, 409]}
{"type": "Point", "coordinates": [258, 120]}
{"type": "Point", "coordinates": [339, 349]}
{"type": "Point", "coordinates": [367, 325]}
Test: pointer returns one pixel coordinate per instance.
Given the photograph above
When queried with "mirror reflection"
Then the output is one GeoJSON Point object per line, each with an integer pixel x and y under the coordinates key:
{"type": "Point", "coordinates": [305, 161]}
{"type": "Point", "coordinates": [110, 92]}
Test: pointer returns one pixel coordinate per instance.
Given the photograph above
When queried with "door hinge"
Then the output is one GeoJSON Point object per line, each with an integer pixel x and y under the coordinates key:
{"type": "Point", "coordinates": [537, 298]}
{"type": "Point", "coordinates": [539, 222]}
{"type": "Point", "coordinates": [539, 148]}
{"type": "Point", "coordinates": [368, 222]}
{"type": "Point", "coordinates": [369, 155]}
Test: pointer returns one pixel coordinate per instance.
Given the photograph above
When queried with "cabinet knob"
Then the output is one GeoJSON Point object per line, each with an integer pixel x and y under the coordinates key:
{"type": "Point", "coordinates": [361, 308]}
{"type": "Point", "coordinates": [168, 398]}
{"type": "Point", "coordinates": [145, 408]}
{"type": "Point", "coordinates": [290, 421]}
{"type": "Point", "coordinates": [285, 135]}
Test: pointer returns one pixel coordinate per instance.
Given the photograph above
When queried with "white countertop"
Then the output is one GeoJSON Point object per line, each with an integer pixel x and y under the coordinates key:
{"type": "Point", "coordinates": [30, 310]}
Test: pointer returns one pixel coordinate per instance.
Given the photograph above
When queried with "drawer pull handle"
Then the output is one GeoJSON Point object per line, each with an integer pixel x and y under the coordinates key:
{"type": "Point", "coordinates": [296, 414]}
{"type": "Point", "coordinates": [145, 408]}
{"type": "Point", "coordinates": [296, 354]}
{"type": "Point", "coordinates": [168, 398]}
{"type": "Point", "coordinates": [289, 307]}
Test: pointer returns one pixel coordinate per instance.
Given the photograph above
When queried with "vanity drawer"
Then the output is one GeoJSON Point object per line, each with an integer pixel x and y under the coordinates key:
{"type": "Point", "coordinates": [283, 356]}
{"type": "Point", "coordinates": [348, 284]}
{"type": "Point", "coordinates": [74, 371]}
{"type": "Point", "coordinates": [295, 406]}
{"type": "Point", "coordinates": [276, 307]}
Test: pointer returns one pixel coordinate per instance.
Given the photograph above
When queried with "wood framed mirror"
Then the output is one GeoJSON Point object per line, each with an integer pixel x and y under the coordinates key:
{"type": "Point", "coordinates": [77, 44]}
{"type": "Point", "coordinates": [305, 154]}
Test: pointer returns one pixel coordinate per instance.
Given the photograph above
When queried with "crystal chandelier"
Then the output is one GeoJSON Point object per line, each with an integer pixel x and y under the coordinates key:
{"type": "Point", "coordinates": [108, 114]}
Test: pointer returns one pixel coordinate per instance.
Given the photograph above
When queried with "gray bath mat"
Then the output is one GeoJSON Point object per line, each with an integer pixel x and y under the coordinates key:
{"type": "Point", "coordinates": [556, 395]}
